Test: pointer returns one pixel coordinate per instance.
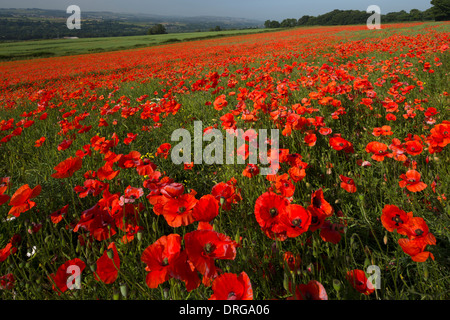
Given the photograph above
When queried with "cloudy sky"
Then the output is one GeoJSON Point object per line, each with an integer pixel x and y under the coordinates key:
{"type": "Point", "coordinates": [252, 9]}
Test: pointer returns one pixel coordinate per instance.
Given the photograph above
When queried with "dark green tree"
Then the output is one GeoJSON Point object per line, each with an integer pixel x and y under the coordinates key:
{"type": "Point", "coordinates": [157, 29]}
{"type": "Point", "coordinates": [441, 10]}
{"type": "Point", "coordinates": [274, 24]}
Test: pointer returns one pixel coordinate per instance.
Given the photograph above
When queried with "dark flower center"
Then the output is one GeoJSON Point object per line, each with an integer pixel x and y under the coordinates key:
{"type": "Point", "coordinates": [273, 212]}
{"type": "Point", "coordinates": [165, 262]}
{"type": "Point", "coordinates": [419, 232]}
{"type": "Point", "coordinates": [182, 209]}
{"type": "Point", "coordinates": [314, 219]}
{"type": "Point", "coordinates": [308, 295]}
{"type": "Point", "coordinates": [231, 296]}
{"type": "Point", "coordinates": [297, 222]}
{"type": "Point", "coordinates": [397, 219]}
{"type": "Point", "coordinates": [209, 247]}
{"type": "Point", "coordinates": [317, 202]}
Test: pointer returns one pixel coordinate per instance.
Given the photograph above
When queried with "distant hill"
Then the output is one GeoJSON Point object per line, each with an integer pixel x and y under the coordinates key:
{"type": "Point", "coordinates": [28, 24]}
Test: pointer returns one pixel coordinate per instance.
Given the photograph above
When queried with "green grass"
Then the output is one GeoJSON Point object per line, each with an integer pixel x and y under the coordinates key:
{"type": "Point", "coordinates": [66, 47]}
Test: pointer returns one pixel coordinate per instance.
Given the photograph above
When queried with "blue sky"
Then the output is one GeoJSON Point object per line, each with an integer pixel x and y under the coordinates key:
{"type": "Point", "coordinates": [252, 9]}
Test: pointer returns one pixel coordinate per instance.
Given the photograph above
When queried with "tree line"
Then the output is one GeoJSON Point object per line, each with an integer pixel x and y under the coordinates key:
{"type": "Point", "coordinates": [440, 11]}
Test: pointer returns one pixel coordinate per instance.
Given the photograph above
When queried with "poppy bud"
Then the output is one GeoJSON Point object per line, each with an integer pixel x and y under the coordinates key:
{"type": "Point", "coordinates": [116, 294]}
{"type": "Point", "coordinates": [336, 284]}
{"type": "Point", "coordinates": [425, 273]}
{"type": "Point", "coordinates": [286, 283]}
{"type": "Point", "coordinates": [139, 235]}
{"type": "Point", "coordinates": [93, 267]}
{"type": "Point", "coordinates": [124, 290]}
{"type": "Point", "coordinates": [110, 253]}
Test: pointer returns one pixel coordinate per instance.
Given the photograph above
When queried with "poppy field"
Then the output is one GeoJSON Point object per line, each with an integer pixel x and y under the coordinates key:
{"type": "Point", "coordinates": [93, 207]}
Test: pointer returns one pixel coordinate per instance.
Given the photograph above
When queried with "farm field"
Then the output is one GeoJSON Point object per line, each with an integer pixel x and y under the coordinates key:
{"type": "Point", "coordinates": [19, 50]}
{"type": "Point", "coordinates": [93, 205]}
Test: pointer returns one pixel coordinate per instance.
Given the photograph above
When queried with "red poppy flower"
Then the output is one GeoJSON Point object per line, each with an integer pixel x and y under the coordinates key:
{"type": "Point", "coordinates": [179, 211]}
{"type": "Point", "coordinates": [325, 131]}
{"type": "Point", "coordinates": [159, 258]}
{"type": "Point", "coordinates": [317, 218]}
{"type": "Point", "coordinates": [90, 187]}
{"type": "Point", "coordinates": [411, 180]}
{"type": "Point", "coordinates": [347, 184]}
{"type": "Point", "coordinates": [163, 150]}
{"type": "Point", "coordinates": [130, 138]}
{"type": "Point", "coordinates": [108, 268]}
{"type": "Point", "coordinates": [130, 160]}
{"type": "Point", "coordinates": [226, 194]}
{"type": "Point", "coordinates": [360, 282]}
{"type": "Point", "coordinates": [319, 202]}
{"type": "Point", "coordinates": [58, 215]}
{"type": "Point", "coordinates": [62, 275]}
{"type": "Point", "coordinates": [7, 282]}
{"type": "Point", "coordinates": [228, 121]}
{"type": "Point", "coordinates": [394, 218]}
{"type": "Point", "coordinates": [416, 249]}
{"type": "Point", "coordinates": [39, 142]}
{"type": "Point", "coordinates": [229, 286]}
{"type": "Point", "coordinates": [398, 150]}
{"type": "Point", "coordinates": [417, 229]}
{"type": "Point", "coordinates": [21, 199]}
{"type": "Point", "coordinates": [378, 150]}
{"type": "Point", "coordinates": [203, 247]}
{"type": "Point", "coordinates": [284, 185]}
{"type": "Point", "coordinates": [98, 222]}
{"type": "Point", "coordinates": [268, 209]}
{"type": "Point", "coordinates": [331, 232]}
{"type": "Point", "coordinates": [338, 143]}
{"type": "Point", "coordinates": [131, 194]}
{"type": "Point", "coordinates": [188, 166]}
{"type": "Point", "coordinates": [102, 123]}
{"type": "Point", "coordinates": [314, 290]}
{"type": "Point", "coordinates": [298, 173]}
{"type": "Point", "coordinates": [107, 172]}
{"type": "Point", "coordinates": [64, 145]}
{"type": "Point", "coordinates": [67, 167]}
{"type": "Point", "coordinates": [4, 185]}
{"type": "Point", "coordinates": [250, 171]}
{"type": "Point", "coordinates": [310, 139]}
{"type": "Point", "coordinates": [295, 221]}
{"type": "Point", "coordinates": [10, 248]}
{"type": "Point", "coordinates": [206, 209]}
{"type": "Point", "coordinates": [172, 190]}
{"type": "Point", "coordinates": [413, 147]}
{"type": "Point", "coordinates": [220, 102]}
{"type": "Point", "coordinates": [146, 168]}
{"type": "Point", "coordinates": [184, 270]}
{"type": "Point", "coordinates": [293, 261]}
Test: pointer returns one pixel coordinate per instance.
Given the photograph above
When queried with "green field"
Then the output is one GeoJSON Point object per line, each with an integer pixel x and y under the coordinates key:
{"type": "Point", "coordinates": [64, 47]}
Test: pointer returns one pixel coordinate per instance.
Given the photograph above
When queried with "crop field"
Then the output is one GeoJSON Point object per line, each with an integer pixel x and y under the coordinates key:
{"type": "Point", "coordinates": [19, 50]}
{"type": "Point", "coordinates": [117, 181]}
